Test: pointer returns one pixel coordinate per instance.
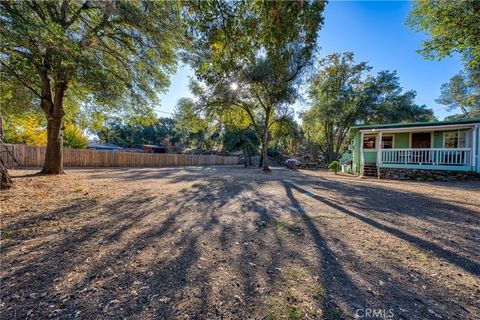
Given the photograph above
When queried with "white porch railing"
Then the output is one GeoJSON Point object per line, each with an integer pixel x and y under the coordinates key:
{"type": "Point", "coordinates": [431, 156]}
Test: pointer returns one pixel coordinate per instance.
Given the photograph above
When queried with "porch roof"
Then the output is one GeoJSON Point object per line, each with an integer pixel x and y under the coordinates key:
{"type": "Point", "coordinates": [418, 124]}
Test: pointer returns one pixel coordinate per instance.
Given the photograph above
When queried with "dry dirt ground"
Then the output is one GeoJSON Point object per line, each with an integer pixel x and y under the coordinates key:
{"type": "Point", "coordinates": [235, 243]}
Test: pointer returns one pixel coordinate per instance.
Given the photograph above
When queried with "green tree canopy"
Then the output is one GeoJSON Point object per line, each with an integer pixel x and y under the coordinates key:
{"type": "Point", "coordinates": [382, 100]}
{"type": "Point", "coordinates": [452, 27]}
{"type": "Point", "coordinates": [245, 140]}
{"type": "Point", "coordinates": [252, 54]}
{"type": "Point", "coordinates": [461, 92]}
{"type": "Point", "coordinates": [116, 53]}
{"type": "Point", "coordinates": [198, 130]}
{"type": "Point", "coordinates": [343, 93]}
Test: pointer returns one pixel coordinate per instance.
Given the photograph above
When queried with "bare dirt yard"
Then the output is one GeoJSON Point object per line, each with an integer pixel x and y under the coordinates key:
{"type": "Point", "coordinates": [235, 243]}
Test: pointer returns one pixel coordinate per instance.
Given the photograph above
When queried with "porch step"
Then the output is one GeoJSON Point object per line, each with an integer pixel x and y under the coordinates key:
{"type": "Point", "coordinates": [370, 170]}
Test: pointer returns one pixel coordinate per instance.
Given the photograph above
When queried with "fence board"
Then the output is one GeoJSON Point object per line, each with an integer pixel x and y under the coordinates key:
{"type": "Point", "coordinates": [33, 156]}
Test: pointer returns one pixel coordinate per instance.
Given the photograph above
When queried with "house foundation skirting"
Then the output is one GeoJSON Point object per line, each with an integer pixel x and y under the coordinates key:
{"type": "Point", "coordinates": [426, 175]}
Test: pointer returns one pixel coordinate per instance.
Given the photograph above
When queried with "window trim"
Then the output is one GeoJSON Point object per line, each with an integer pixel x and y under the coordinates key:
{"type": "Point", "coordinates": [375, 141]}
{"type": "Point", "coordinates": [393, 140]}
{"type": "Point", "coordinates": [467, 141]}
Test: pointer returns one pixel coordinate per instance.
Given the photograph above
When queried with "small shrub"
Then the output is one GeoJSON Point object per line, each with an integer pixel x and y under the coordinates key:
{"type": "Point", "coordinates": [294, 314]}
{"type": "Point", "coordinates": [334, 166]}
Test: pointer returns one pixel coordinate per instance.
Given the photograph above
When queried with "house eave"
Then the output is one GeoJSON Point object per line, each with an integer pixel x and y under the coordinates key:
{"type": "Point", "coordinates": [422, 128]}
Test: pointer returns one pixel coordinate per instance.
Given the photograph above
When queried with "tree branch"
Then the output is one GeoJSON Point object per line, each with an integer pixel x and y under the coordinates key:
{"type": "Point", "coordinates": [24, 82]}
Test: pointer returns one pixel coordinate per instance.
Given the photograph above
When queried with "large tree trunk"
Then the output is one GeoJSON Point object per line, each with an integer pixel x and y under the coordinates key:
{"type": "Point", "coordinates": [53, 109]}
{"type": "Point", "coordinates": [54, 156]}
{"type": "Point", "coordinates": [6, 181]}
{"type": "Point", "coordinates": [265, 142]}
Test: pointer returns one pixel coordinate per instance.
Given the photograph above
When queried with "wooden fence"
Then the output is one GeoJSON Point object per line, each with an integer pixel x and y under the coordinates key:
{"type": "Point", "coordinates": [32, 156]}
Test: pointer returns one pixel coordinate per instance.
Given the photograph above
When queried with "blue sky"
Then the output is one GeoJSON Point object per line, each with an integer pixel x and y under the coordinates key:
{"type": "Point", "coordinates": [376, 32]}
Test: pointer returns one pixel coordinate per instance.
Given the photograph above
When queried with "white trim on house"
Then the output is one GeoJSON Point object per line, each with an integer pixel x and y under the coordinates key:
{"type": "Point", "coordinates": [362, 157]}
{"type": "Point", "coordinates": [424, 128]}
{"type": "Point", "coordinates": [389, 135]}
{"type": "Point", "coordinates": [467, 138]}
{"type": "Point", "coordinates": [370, 135]}
{"type": "Point", "coordinates": [474, 146]}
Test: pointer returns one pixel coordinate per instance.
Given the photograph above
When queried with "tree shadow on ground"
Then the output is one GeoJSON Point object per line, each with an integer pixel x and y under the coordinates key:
{"type": "Point", "coordinates": [220, 247]}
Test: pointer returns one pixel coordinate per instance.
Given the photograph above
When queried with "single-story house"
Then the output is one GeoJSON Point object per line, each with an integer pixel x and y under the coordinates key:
{"type": "Point", "coordinates": [104, 147]}
{"type": "Point", "coordinates": [423, 148]}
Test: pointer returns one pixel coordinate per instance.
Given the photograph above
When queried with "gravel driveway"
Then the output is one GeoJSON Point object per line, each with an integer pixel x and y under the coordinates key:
{"type": "Point", "coordinates": [234, 243]}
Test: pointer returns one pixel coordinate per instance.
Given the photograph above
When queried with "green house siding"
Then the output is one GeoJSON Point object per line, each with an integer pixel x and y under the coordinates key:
{"type": "Point", "coordinates": [370, 156]}
{"type": "Point", "coordinates": [401, 140]}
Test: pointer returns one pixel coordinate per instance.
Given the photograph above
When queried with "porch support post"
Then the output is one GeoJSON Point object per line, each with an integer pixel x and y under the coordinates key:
{"type": "Point", "coordinates": [473, 148]}
{"type": "Point", "coordinates": [362, 158]}
{"type": "Point", "coordinates": [477, 156]}
{"type": "Point", "coordinates": [379, 148]}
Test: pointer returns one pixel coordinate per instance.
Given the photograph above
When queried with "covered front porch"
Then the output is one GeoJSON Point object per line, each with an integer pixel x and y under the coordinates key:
{"type": "Point", "coordinates": [446, 158]}
{"type": "Point", "coordinates": [428, 146]}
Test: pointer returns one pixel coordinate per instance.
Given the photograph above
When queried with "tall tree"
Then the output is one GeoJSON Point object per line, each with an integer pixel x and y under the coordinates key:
{"type": "Point", "coordinates": [453, 27]}
{"type": "Point", "coordinates": [461, 92]}
{"type": "Point", "coordinates": [382, 100]}
{"type": "Point", "coordinates": [286, 135]}
{"type": "Point", "coordinates": [334, 93]}
{"type": "Point", "coordinates": [343, 93]}
{"type": "Point", "coordinates": [117, 53]}
{"type": "Point", "coordinates": [196, 129]}
{"type": "Point", "coordinates": [252, 54]}
{"type": "Point", "coordinates": [245, 140]}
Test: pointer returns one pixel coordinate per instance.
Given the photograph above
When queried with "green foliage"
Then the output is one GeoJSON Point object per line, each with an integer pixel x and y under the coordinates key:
{"type": "Point", "coordinates": [294, 314]}
{"type": "Point", "coordinates": [334, 166]}
{"type": "Point", "coordinates": [335, 108]}
{"type": "Point", "coordinates": [286, 135]}
{"type": "Point", "coordinates": [15, 99]}
{"type": "Point", "coordinates": [74, 137]}
{"type": "Point", "coordinates": [103, 49]}
{"type": "Point", "coordinates": [273, 152]}
{"type": "Point", "coordinates": [245, 140]}
{"type": "Point", "coordinates": [381, 100]}
{"type": "Point", "coordinates": [197, 130]}
{"type": "Point", "coordinates": [461, 92]}
{"type": "Point", "coordinates": [251, 55]}
{"type": "Point", "coordinates": [117, 54]}
{"type": "Point", "coordinates": [122, 133]}
{"type": "Point", "coordinates": [343, 93]}
{"type": "Point", "coordinates": [452, 26]}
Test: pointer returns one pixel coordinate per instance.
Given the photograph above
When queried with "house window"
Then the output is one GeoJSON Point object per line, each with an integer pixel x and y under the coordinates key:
{"type": "Point", "coordinates": [462, 138]}
{"type": "Point", "coordinates": [369, 142]}
{"type": "Point", "coordinates": [455, 139]}
{"type": "Point", "coordinates": [387, 142]}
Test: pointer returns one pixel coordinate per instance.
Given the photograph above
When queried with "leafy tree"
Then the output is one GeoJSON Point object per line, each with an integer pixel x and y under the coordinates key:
{"type": "Point", "coordinates": [133, 135]}
{"type": "Point", "coordinates": [245, 140]}
{"type": "Point", "coordinates": [286, 135]}
{"type": "Point", "coordinates": [453, 27]}
{"type": "Point", "coordinates": [334, 91]}
{"type": "Point", "coordinates": [251, 55]}
{"type": "Point", "coordinates": [342, 94]}
{"type": "Point", "coordinates": [25, 129]}
{"type": "Point", "coordinates": [115, 53]}
{"type": "Point", "coordinates": [196, 129]}
{"type": "Point", "coordinates": [381, 100]}
{"type": "Point", "coordinates": [461, 92]}
{"type": "Point", "coordinates": [74, 137]}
